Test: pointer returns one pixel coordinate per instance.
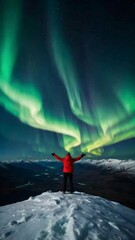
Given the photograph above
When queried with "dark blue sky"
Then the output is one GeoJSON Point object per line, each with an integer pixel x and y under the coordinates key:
{"type": "Point", "coordinates": [67, 78]}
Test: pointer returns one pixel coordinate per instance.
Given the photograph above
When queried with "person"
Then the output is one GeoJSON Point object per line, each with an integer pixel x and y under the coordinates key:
{"type": "Point", "coordinates": [68, 169]}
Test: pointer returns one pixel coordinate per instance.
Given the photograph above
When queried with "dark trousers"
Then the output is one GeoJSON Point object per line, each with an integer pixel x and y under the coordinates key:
{"type": "Point", "coordinates": [66, 177]}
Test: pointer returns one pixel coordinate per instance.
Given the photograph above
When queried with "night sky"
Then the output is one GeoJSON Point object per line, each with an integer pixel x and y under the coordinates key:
{"type": "Point", "coordinates": [67, 78]}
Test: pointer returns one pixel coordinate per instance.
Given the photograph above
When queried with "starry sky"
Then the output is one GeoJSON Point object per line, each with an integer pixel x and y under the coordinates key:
{"type": "Point", "coordinates": [67, 78]}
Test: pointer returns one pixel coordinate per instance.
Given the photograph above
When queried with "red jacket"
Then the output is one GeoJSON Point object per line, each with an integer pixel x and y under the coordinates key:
{"type": "Point", "coordinates": [68, 162]}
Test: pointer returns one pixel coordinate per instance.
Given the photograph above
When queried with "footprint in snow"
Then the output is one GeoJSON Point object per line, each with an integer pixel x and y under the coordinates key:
{"type": "Point", "coordinates": [24, 219]}
{"type": "Point", "coordinates": [28, 218]}
{"type": "Point", "coordinates": [57, 201]}
{"type": "Point", "coordinates": [59, 226]}
{"type": "Point", "coordinates": [42, 235]}
{"type": "Point", "coordinates": [12, 223]}
{"type": "Point", "coordinates": [7, 234]}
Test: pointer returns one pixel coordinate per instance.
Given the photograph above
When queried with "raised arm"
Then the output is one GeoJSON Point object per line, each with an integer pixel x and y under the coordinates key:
{"type": "Point", "coordinates": [79, 157]}
{"type": "Point", "coordinates": [57, 157]}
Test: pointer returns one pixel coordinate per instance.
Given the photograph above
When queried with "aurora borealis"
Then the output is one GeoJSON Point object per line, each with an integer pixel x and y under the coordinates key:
{"type": "Point", "coordinates": [67, 78]}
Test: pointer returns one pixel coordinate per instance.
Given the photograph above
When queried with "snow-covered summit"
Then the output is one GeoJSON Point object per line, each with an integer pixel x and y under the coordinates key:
{"type": "Point", "coordinates": [68, 217]}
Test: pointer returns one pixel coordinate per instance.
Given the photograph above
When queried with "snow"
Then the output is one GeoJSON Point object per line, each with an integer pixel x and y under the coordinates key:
{"type": "Point", "coordinates": [127, 166]}
{"type": "Point", "coordinates": [77, 216]}
{"type": "Point", "coordinates": [124, 166]}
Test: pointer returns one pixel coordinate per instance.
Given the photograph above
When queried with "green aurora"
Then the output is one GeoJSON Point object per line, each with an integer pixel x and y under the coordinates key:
{"type": "Point", "coordinates": [67, 81]}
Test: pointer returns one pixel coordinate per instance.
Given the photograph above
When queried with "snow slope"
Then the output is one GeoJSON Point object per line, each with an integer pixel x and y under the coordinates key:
{"type": "Point", "coordinates": [127, 166]}
{"type": "Point", "coordinates": [53, 216]}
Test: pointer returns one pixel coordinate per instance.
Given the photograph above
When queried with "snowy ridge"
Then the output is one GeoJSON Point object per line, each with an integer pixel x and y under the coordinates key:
{"type": "Point", "coordinates": [115, 164]}
{"type": "Point", "coordinates": [53, 216]}
{"type": "Point", "coordinates": [127, 166]}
